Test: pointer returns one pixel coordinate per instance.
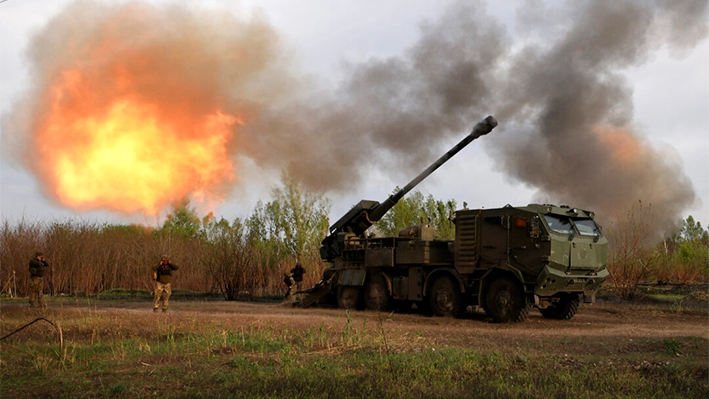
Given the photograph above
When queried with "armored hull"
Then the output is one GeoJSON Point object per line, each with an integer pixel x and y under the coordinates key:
{"type": "Point", "coordinates": [506, 261]}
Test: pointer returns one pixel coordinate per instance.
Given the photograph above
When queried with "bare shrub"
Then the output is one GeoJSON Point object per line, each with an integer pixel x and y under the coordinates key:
{"type": "Point", "coordinates": [90, 258]}
{"type": "Point", "coordinates": [17, 244]}
{"type": "Point", "coordinates": [229, 259]}
{"type": "Point", "coordinates": [631, 252]}
{"type": "Point", "coordinates": [213, 256]}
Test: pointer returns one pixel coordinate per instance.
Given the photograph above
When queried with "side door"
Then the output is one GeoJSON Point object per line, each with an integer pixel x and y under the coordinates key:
{"type": "Point", "coordinates": [527, 243]}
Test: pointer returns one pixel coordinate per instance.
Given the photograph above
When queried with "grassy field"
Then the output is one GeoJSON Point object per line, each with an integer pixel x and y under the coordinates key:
{"type": "Point", "coordinates": [112, 348]}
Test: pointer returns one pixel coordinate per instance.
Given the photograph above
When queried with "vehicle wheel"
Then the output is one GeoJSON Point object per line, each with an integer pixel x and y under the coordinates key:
{"type": "Point", "coordinates": [349, 297]}
{"type": "Point", "coordinates": [506, 301]}
{"type": "Point", "coordinates": [445, 299]}
{"type": "Point", "coordinates": [565, 309]}
{"type": "Point", "coordinates": [376, 295]}
{"type": "Point", "coordinates": [524, 312]}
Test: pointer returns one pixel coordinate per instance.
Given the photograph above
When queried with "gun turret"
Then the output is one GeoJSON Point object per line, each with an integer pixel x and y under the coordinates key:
{"type": "Point", "coordinates": [363, 215]}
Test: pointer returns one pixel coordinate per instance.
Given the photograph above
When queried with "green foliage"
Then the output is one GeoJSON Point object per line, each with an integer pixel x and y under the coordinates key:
{"type": "Point", "coordinates": [183, 221]}
{"type": "Point", "coordinates": [693, 248]}
{"type": "Point", "coordinates": [685, 256]}
{"type": "Point", "coordinates": [292, 224]}
{"type": "Point", "coordinates": [131, 355]}
{"type": "Point", "coordinates": [693, 252]}
{"type": "Point", "coordinates": [415, 209]}
{"type": "Point", "coordinates": [124, 294]}
{"type": "Point", "coordinates": [693, 231]}
{"type": "Point", "coordinates": [234, 258]}
{"type": "Point", "coordinates": [671, 346]}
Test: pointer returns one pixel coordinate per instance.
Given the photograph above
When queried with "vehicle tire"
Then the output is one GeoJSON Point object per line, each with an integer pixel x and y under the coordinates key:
{"type": "Point", "coordinates": [445, 299]}
{"type": "Point", "coordinates": [565, 309]}
{"type": "Point", "coordinates": [506, 301]}
{"type": "Point", "coordinates": [349, 297]}
{"type": "Point", "coordinates": [376, 295]}
{"type": "Point", "coordinates": [524, 312]}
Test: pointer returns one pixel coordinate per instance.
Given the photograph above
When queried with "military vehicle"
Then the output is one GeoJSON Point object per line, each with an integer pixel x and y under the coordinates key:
{"type": "Point", "coordinates": [505, 261]}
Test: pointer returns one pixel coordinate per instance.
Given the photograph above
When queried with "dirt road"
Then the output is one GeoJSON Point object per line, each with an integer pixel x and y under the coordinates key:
{"type": "Point", "coordinates": [596, 328]}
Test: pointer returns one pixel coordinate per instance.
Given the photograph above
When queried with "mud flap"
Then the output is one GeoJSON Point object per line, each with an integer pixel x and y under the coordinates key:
{"type": "Point", "coordinates": [314, 295]}
{"type": "Point", "coordinates": [352, 277]}
{"type": "Point", "coordinates": [589, 298]}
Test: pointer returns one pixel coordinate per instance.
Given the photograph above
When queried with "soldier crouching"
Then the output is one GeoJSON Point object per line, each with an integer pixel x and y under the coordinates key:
{"type": "Point", "coordinates": [297, 272]}
{"type": "Point", "coordinates": [288, 281]}
{"type": "Point", "coordinates": [163, 277]}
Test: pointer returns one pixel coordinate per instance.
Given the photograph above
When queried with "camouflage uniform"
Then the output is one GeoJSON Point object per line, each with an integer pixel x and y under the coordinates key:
{"type": "Point", "coordinates": [288, 280]}
{"type": "Point", "coordinates": [37, 268]}
{"type": "Point", "coordinates": [163, 278]}
{"type": "Point", "coordinates": [297, 272]}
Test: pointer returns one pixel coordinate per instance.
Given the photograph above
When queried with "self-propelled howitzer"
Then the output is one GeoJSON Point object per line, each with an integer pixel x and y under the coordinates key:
{"type": "Point", "coordinates": [363, 215]}
{"type": "Point", "coordinates": [505, 261]}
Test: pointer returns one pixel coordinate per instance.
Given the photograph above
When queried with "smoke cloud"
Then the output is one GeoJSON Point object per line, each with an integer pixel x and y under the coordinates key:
{"type": "Point", "coordinates": [135, 106]}
{"type": "Point", "coordinates": [564, 105]}
{"type": "Point", "coordinates": [574, 108]}
{"type": "Point", "coordinates": [558, 90]}
{"type": "Point", "coordinates": [390, 112]}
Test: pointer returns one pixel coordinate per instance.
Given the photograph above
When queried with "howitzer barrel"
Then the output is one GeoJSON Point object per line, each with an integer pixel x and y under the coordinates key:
{"type": "Point", "coordinates": [358, 219]}
{"type": "Point", "coordinates": [482, 128]}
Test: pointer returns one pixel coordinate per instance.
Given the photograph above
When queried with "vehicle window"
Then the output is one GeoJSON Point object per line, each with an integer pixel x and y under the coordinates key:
{"type": "Point", "coordinates": [558, 224]}
{"type": "Point", "coordinates": [587, 227]}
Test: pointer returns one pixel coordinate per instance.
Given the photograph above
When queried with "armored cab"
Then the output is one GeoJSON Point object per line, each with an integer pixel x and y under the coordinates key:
{"type": "Point", "coordinates": [543, 256]}
{"type": "Point", "coordinates": [505, 260]}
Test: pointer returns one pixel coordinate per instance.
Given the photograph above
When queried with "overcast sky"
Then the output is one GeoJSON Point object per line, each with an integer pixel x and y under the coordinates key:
{"type": "Point", "coordinates": [670, 104]}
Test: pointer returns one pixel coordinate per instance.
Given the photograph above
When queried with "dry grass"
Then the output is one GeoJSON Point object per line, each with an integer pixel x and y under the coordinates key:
{"type": "Point", "coordinates": [219, 349]}
{"type": "Point", "coordinates": [89, 258]}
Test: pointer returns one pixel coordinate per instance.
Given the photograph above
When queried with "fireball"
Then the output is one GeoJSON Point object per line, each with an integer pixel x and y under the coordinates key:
{"type": "Point", "coordinates": [137, 107]}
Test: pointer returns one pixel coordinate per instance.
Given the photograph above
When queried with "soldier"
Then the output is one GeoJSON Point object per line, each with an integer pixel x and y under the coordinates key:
{"type": "Point", "coordinates": [288, 281]}
{"type": "Point", "coordinates": [37, 268]}
{"type": "Point", "coordinates": [298, 273]}
{"type": "Point", "coordinates": [163, 277]}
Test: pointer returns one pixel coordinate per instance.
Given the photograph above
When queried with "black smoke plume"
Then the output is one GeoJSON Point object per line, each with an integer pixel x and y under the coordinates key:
{"type": "Point", "coordinates": [560, 93]}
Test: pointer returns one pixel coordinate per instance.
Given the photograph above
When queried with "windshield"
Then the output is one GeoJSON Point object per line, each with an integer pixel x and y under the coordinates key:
{"type": "Point", "coordinates": [558, 224]}
{"type": "Point", "coordinates": [587, 227]}
{"type": "Point", "coordinates": [563, 225]}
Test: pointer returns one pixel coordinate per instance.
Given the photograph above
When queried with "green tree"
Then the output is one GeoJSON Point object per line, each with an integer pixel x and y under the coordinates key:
{"type": "Point", "coordinates": [416, 209]}
{"type": "Point", "coordinates": [690, 258]}
{"type": "Point", "coordinates": [183, 221]}
{"type": "Point", "coordinates": [293, 223]}
{"type": "Point", "coordinates": [693, 231]}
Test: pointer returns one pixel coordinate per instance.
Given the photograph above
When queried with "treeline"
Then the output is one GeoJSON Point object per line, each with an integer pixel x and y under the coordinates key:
{"type": "Point", "coordinates": [249, 256]}
{"type": "Point", "coordinates": [636, 256]}
{"type": "Point", "coordinates": [235, 258]}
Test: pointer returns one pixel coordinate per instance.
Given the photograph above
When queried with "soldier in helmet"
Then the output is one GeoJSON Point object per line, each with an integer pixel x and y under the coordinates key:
{"type": "Point", "coordinates": [38, 266]}
{"type": "Point", "coordinates": [163, 277]}
{"type": "Point", "coordinates": [298, 271]}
